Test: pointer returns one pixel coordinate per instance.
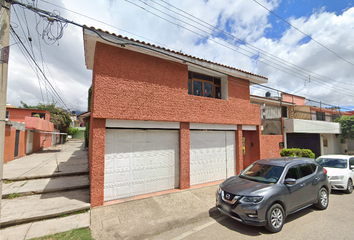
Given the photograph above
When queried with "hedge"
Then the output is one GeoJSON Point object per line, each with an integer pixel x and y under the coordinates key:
{"type": "Point", "coordinates": [292, 152]}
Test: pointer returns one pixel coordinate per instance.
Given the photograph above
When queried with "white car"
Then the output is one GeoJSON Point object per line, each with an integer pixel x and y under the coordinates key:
{"type": "Point", "coordinates": [340, 171]}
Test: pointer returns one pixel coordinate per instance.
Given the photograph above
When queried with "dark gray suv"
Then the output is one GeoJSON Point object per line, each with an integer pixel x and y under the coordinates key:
{"type": "Point", "coordinates": [270, 189]}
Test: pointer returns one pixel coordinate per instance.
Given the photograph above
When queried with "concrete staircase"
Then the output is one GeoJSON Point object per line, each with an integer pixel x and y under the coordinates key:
{"type": "Point", "coordinates": [34, 190]}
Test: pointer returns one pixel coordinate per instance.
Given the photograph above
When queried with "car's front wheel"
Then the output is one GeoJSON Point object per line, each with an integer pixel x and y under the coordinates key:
{"type": "Point", "coordinates": [275, 218]}
{"type": "Point", "coordinates": [322, 199]}
{"type": "Point", "coordinates": [349, 186]}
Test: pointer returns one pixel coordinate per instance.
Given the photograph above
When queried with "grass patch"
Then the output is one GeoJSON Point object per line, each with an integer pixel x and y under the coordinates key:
{"type": "Point", "coordinates": [81, 233]}
{"type": "Point", "coordinates": [74, 213]}
{"type": "Point", "coordinates": [8, 181]}
{"type": "Point", "coordinates": [12, 196]}
{"type": "Point", "coordinates": [24, 184]}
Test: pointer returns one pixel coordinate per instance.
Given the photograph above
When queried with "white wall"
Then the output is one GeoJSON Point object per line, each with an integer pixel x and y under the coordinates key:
{"type": "Point", "coordinates": [334, 144]}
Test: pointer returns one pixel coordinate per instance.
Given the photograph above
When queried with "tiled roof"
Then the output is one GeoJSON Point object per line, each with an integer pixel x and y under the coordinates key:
{"type": "Point", "coordinates": [171, 51]}
{"type": "Point", "coordinates": [10, 106]}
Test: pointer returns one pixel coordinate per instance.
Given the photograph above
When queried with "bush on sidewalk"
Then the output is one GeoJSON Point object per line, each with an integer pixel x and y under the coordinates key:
{"type": "Point", "coordinates": [292, 152]}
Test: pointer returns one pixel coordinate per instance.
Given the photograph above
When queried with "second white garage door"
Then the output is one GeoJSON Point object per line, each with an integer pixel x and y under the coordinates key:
{"type": "Point", "coordinates": [140, 161]}
{"type": "Point", "coordinates": [212, 156]}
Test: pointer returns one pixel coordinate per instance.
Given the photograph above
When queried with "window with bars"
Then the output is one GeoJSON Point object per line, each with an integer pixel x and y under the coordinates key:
{"type": "Point", "coordinates": [204, 85]}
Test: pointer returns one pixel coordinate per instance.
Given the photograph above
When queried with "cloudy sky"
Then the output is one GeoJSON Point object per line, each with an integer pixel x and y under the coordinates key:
{"type": "Point", "coordinates": [314, 58]}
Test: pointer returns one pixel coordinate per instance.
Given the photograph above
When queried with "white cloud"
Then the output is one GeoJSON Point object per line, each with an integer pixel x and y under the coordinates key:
{"type": "Point", "coordinates": [244, 19]}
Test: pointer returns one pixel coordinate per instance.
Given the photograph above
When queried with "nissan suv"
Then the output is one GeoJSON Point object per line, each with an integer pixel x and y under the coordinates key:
{"type": "Point", "coordinates": [268, 190]}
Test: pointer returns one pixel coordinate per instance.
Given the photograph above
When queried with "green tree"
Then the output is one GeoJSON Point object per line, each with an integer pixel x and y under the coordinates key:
{"type": "Point", "coordinates": [58, 116]}
{"type": "Point", "coordinates": [72, 131]}
{"type": "Point", "coordinates": [347, 125]}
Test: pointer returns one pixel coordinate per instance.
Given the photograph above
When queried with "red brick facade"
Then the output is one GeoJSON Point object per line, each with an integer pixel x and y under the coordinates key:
{"type": "Point", "coordinates": [128, 85]}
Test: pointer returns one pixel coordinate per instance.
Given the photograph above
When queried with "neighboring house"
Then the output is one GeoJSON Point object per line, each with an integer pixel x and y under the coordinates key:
{"type": "Point", "coordinates": [162, 119]}
{"type": "Point", "coordinates": [26, 131]}
{"type": "Point", "coordinates": [74, 120]}
{"type": "Point", "coordinates": [303, 126]}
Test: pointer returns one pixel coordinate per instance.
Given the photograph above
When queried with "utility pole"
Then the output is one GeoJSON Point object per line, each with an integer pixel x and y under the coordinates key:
{"type": "Point", "coordinates": [4, 59]}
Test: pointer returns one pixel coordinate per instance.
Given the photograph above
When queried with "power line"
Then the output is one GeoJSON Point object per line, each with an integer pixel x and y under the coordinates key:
{"type": "Point", "coordinates": [59, 18]}
{"type": "Point", "coordinates": [228, 35]}
{"type": "Point", "coordinates": [38, 67]}
{"type": "Point", "coordinates": [292, 72]}
{"type": "Point", "coordinates": [328, 87]}
{"type": "Point", "coordinates": [302, 32]}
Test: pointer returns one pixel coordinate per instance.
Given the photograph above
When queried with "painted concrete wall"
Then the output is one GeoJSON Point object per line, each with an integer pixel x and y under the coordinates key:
{"type": "Point", "coordinates": [10, 139]}
{"type": "Point", "coordinates": [19, 114]}
{"type": "Point", "coordinates": [41, 141]}
{"type": "Point", "coordinates": [270, 146]}
{"type": "Point", "coordinates": [334, 144]}
{"type": "Point", "coordinates": [307, 126]}
{"type": "Point", "coordinates": [293, 99]}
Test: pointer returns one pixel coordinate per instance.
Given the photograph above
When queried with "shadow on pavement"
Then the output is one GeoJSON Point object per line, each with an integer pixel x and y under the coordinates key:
{"type": "Point", "coordinates": [252, 230]}
{"type": "Point", "coordinates": [236, 226]}
{"type": "Point", "coordinates": [74, 164]}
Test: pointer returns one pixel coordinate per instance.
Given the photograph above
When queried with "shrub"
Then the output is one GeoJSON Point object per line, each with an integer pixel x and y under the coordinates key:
{"type": "Point", "coordinates": [72, 131]}
{"type": "Point", "coordinates": [292, 152]}
{"type": "Point", "coordinates": [87, 134]}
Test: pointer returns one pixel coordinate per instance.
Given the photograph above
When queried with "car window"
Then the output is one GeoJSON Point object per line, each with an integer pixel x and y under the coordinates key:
{"type": "Point", "coordinates": [305, 169]}
{"type": "Point", "coordinates": [351, 161]}
{"type": "Point", "coordinates": [313, 166]}
{"type": "Point", "coordinates": [332, 162]}
{"type": "Point", "coordinates": [293, 173]}
{"type": "Point", "coordinates": [263, 173]}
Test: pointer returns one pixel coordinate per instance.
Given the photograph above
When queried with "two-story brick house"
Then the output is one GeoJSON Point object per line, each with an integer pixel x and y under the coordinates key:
{"type": "Point", "coordinates": [162, 120]}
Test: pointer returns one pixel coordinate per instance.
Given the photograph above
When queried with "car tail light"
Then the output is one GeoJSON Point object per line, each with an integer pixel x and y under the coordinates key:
{"type": "Point", "coordinates": [325, 171]}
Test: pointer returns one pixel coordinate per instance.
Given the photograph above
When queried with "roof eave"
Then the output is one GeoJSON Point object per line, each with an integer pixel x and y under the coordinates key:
{"type": "Point", "coordinates": [91, 38]}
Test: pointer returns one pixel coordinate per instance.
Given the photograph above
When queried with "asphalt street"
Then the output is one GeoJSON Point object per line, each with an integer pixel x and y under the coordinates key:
{"type": "Point", "coordinates": [336, 222]}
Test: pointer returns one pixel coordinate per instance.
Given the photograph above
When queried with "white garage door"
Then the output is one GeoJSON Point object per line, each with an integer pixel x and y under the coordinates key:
{"type": "Point", "coordinates": [212, 156]}
{"type": "Point", "coordinates": [140, 162]}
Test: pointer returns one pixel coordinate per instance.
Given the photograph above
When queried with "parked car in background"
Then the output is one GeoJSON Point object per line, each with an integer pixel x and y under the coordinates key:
{"type": "Point", "coordinates": [340, 171]}
{"type": "Point", "coordinates": [267, 191]}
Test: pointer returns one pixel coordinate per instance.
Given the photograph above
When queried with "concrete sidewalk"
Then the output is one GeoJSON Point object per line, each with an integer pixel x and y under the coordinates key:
{"type": "Point", "coordinates": [142, 218]}
{"type": "Point", "coordinates": [71, 159]}
{"type": "Point", "coordinates": [34, 190]}
{"type": "Point", "coordinates": [42, 206]}
{"type": "Point", "coordinates": [45, 185]}
{"type": "Point", "coordinates": [45, 228]}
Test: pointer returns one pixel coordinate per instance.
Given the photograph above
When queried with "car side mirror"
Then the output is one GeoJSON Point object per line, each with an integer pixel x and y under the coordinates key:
{"type": "Point", "coordinates": [290, 181]}
{"type": "Point", "coordinates": [242, 171]}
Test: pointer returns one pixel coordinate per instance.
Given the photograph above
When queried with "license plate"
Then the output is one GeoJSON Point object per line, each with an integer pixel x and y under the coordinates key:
{"type": "Point", "coordinates": [226, 208]}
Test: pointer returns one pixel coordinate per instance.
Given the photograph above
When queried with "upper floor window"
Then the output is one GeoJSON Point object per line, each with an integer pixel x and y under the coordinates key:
{"type": "Point", "coordinates": [40, 115]}
{"type": "Point", "coordinates": [204, 85]}
{"type": "Point", "coordinates": [7, 115]}
{"type": "Point", "coordinates": [284, 111]}
{"type": "Point", "coordinates": [321, 116]}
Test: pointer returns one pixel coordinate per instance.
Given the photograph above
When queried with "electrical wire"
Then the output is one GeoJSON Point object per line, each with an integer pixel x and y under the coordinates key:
{"type": "Point", "coordinates": [58, 18]}
{"type": "Point", "coordinates": [303, 32]}
{"type": "Point", "coordinates": [57, 95]}
{"type": "Point", "coordinates": [328, 87]}
{"type": "Point", "coordinates": [331, 87]}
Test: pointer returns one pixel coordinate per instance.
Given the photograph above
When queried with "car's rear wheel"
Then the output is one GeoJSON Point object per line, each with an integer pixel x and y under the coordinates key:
{"type": "Point", "coordinates": [349, 187]}
{"type": "Point", "coordinates": [322, 199]}
{"type": "Point", "coordinates": [275, 218]}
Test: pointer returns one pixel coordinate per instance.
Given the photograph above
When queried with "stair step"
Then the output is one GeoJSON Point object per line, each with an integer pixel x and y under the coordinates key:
{"type": "Point", "coordinates": [43, 206]}
{"type": "Point", "coordinates": [44, 185]}
{"type": "Point", "coordinates": [46, 227]}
